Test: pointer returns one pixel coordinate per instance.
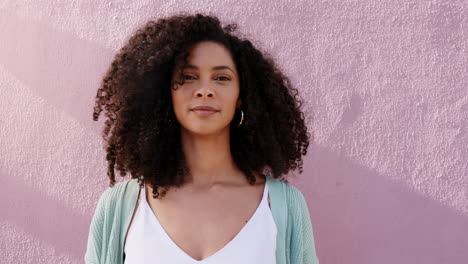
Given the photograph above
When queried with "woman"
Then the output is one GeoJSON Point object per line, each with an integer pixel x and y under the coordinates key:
{"type": "Point", "coordinates": [196, 114]}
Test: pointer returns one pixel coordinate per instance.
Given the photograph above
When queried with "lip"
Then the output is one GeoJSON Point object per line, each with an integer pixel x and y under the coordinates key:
{"type": "Point", "coordinates": [204, 108]}
{"type": "Point", "coordinates": [204, 112]}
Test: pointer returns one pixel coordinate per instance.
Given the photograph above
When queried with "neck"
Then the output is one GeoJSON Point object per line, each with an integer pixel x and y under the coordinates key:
{"type": "Point", "coordinates": [210, 160]}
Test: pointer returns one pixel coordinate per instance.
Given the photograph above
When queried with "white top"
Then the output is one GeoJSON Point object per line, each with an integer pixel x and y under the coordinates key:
{"type": "Point", "coordinates": [148, 242]}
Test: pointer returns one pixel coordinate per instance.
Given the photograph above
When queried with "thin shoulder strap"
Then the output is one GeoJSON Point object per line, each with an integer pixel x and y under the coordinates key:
{"type": "Point", "coordinates": [267, 189]}
{"type": "Point", "coordinates": [269, 205]}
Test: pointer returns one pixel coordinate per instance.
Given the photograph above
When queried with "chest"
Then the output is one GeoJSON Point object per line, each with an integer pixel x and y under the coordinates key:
{"type": "Point", "coordinates": [218, 216]}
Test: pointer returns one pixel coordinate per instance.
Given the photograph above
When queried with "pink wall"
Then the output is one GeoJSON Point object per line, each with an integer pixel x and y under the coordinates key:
{"type": "Point", "coordinates": [385, 179]}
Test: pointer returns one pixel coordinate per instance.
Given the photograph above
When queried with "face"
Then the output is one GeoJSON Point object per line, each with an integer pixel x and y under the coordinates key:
{"type": "Point", "coordinates": [210, 79]}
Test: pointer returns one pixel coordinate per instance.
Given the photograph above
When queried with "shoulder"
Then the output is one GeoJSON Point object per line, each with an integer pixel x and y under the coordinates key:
{"type": "Point", "coordinates": [289, 196]}
{"type": "Point", "coordinates": [113, 194]}
{"type": "Point", "coordinates": [106, 220]}
{"type": "Point", "coordinates": [294, 198]}
{"type": "Point", "coordinates": [292, 193]}
{"type": "Point", "coordinates": [111, 202]}
{"type": "Point", "coordinates": [299, 225]}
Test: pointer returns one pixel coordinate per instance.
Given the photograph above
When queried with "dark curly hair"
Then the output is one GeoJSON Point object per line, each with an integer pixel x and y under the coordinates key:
{"type": "Point", "coordinates": [142, 134]}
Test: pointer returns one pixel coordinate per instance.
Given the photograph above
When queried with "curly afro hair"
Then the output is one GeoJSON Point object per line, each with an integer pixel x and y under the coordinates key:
{"type": "Point", "coordinates": [141, 132]}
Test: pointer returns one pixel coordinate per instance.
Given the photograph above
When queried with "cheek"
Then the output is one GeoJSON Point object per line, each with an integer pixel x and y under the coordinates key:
{"type": "Point", "coordinates": [177, 97]}
{"type": "Point", "coordinates": [177, 101]}
{"type": "Point", "coordinates": [233, 97]}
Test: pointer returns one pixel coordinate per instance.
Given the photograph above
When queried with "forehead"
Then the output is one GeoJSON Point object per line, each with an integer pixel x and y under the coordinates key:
{"type": "Point", "coordinates": [207, 54]}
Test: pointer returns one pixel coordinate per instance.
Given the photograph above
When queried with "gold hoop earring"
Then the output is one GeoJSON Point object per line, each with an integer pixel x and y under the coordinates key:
{"type": "Point", "coordinates": [242, 118]}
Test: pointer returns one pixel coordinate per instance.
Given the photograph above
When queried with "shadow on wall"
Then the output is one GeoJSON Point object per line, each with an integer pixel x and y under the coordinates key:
{"type": "Point", "coordinates": [360, 217]}
{"type": "Point", "coordinates": [62, 69]}
{"type": "Point", "coordinates": [58, 67]}
{"type": "Point", "coordinates": [43, 217]}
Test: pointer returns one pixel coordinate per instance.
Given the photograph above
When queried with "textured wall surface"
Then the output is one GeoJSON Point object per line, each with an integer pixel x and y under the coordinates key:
{"type": "Point", "coordinates": [386, 91]}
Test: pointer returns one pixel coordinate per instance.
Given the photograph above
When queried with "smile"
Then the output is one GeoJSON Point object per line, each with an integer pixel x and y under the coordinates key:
{"type": "Point", "coordinates": [204, 112]}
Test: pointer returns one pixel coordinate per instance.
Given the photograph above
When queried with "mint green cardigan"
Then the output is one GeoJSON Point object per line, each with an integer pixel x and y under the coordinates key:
{"type": "Point", "coordinates": [295, 239]}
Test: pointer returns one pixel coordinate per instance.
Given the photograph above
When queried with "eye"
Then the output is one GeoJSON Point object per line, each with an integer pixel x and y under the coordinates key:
{"type": "Point", "coordinates": [186, 77]}
{"type": "Point", "coordinates": [226, 78]}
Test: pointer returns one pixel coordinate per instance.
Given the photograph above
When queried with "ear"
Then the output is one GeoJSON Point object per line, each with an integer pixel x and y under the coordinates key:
{"type": "Point", "coordinates": [239, 103]}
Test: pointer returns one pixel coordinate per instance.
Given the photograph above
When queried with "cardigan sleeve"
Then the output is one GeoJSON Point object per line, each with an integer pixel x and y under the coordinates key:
{"type": "Point", "coordinates": [310, 254]}
{"type": "Point", "coordinates": [96, 231]}
{"type": "Point", "coordinates": [302, 244]}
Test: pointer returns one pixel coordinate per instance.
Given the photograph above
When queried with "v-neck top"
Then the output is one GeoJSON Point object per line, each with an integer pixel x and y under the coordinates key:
{"type": "Point", "coordinates": [148, 242]}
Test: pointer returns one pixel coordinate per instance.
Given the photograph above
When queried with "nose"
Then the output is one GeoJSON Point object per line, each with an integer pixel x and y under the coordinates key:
{"type": "Point", "coordinates": [204, 90]}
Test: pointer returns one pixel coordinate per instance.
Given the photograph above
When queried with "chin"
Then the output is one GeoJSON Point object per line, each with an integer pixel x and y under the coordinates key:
{"type": "Point", "coordinates": [205, 129]}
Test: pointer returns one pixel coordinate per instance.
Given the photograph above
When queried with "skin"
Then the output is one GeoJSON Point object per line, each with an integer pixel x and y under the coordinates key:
{"type": "Point", "coordinates": [215, 184]}
{"type": "Point", "coordinates": [205, 140]}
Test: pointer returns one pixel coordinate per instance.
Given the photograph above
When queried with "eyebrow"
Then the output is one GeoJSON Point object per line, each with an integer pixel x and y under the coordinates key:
{"type": "Point", "coordinates": [221, 67]}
